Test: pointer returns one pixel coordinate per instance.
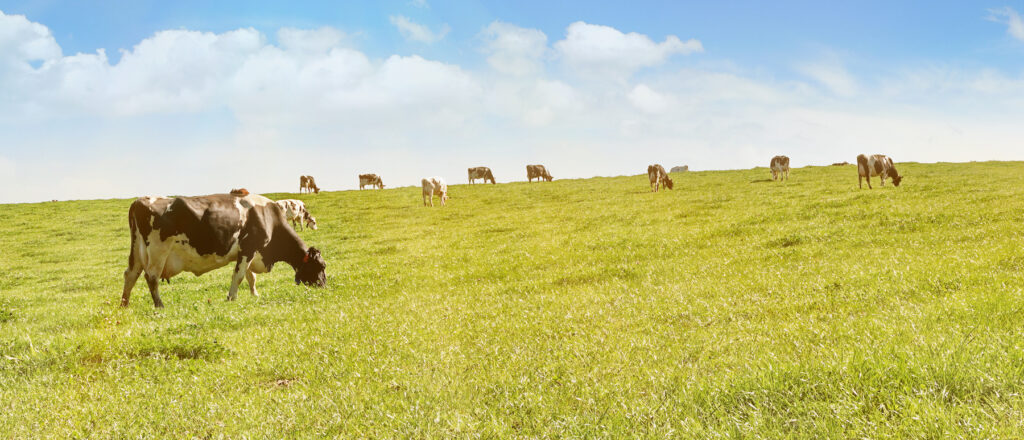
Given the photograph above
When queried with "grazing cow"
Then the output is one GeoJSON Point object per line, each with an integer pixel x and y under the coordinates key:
{"type": "Point", "coordinates": [434, 186]}
{"type": "Point", "coordinates": [200, 234]}
{"type": "Point", "coordinates": [780, 167]}
{"type": "Point", "coordinates": [537, 172]}
{"type": "Point", "coordinates": [307, 183]}
{"type": "Point", "coordinates": [656, 173]}
{"type": "Point", "coordinates": [480, 173]}
{"type": "Point", "coordinates": [372, 180]}
{"type": "Point", "coordinates": [681, 169]}
{"type": "Point", "coordinates": [876, 165]}
{"type": "Point", "coordinates": [295, 211]}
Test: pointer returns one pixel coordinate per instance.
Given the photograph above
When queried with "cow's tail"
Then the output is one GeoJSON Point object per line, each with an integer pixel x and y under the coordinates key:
{"type": "Point", "coordinates": [134, 230]}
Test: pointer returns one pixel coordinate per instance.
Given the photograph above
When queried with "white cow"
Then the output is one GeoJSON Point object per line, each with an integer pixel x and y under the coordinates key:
{"type": "Point", "coordinates": [295, 212]}
{"type": "Point", "coordinates": [434, 186]}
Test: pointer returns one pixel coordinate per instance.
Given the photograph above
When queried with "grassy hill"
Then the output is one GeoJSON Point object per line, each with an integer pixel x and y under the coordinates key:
{"type": "Point", "coordinates": [732, 306]}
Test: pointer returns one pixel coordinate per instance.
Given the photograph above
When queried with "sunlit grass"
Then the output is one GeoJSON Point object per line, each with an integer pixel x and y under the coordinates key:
{"type": "Point", "coordinates": [732, 306]}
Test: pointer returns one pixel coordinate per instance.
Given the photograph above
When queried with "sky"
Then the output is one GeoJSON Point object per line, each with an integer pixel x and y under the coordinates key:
{"type": "Point", "coordinates": [127, 98]}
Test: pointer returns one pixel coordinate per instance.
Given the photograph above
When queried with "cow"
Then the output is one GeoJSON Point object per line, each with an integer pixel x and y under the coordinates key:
{"type": "Point", "coordinates": [203, 233]}
{"type": "Point", "coordinates": [372, 180]}
{"type": "Point", "coordinates": [537, 172]}
{"type": "Point", "coordinates": [780, 168]}
{"type": "Point", "coordinates": [658, 177]}
{"type": "Point", "coordinates": [480, 173]}
{"type": "Point", "coordinates": [307, 183]}
{"type": "Point", "coordinates": [680, 169]}
{"type": "Point", "coordinates": [295, 212]}
{"type": "Point", "coordinates": [434, 186]}
{"type": "Point", "coordinates": [876, 165]}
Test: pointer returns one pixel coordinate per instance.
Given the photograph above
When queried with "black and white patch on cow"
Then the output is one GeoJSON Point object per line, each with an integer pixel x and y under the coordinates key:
{"type": "Point", "coordinates": [200, 234]}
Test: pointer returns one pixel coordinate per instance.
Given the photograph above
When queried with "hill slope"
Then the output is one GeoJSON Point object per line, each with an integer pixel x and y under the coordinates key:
{"type": "Point", "coordinates": [730, 306]}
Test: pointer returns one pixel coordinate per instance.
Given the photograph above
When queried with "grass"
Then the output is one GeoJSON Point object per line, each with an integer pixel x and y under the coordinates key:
{"type": "Point", "coordinates": [730, 307]}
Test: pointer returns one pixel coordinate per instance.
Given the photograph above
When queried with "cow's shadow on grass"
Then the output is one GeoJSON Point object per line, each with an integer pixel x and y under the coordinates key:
{"type": "Point", "coordinates": [761, 180]}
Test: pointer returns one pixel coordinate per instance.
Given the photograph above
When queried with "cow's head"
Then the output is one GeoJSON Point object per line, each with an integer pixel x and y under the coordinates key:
{"type": "Point", "coordinates": [311, 271]}
{"type": "Point", "coordinates": [548, 177]}
{"type": "Point", "coordinates": [668, 182]}
{"type": "Point", "coordinates": [897, 179]}
{"type": "Point", "coordinates": [310, 221]}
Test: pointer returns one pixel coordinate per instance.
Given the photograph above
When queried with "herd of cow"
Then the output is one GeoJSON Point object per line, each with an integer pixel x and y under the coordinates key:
{"type": "Point", "coordinates": [203, 233]}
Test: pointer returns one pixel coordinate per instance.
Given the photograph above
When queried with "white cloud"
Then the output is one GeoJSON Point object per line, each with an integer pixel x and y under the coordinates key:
{"type": "Point", "coordinates": [648, 100]}
{"type": "Point", "coordinates": [316, 41]}
{"type": "Point", "coordinates": [832, 75]}
{"type": "Point", "coordinates": [514, 50]}
{"type": "Point", "coordinates": [1012, 20]}
{"type": "Point", "coordinates": [606, 50]}
{"type": "Point", "coordinates": [22, 41]}
{"type": "Point", "coordinates": [306, 102]}
{"type": "Point", "coordinates": [417, 32]}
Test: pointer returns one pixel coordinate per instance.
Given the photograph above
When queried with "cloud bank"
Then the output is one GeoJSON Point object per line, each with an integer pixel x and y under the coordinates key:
{"type": "Point", "coordinates": [192, 112]}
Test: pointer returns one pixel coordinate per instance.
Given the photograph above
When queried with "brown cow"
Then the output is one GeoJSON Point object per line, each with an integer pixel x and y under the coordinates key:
{"type": "Point", "coordinates": [780, 168]}
{"type": "Point", "coordinates": [370, 180]}
{"type": "Point", "coordinates": [876, 165]}
{"type": "Point", "coordinates": [480, 173]}
{"type": "Point", "coordinates": [656, 173]}
{"type": "Point", "coordinates": [537, 172]}
{"type": "Point", "coordinates": [307, 183]}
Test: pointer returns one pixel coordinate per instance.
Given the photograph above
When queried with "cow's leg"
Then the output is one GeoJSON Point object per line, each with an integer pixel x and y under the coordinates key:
{"type": "Point", "coordinates": [131, 275]}
{"type": "Point", "coordinates": [154, 269]}
{"type": "Point", "coordinates": [868, 178]}
{"type": "Point", "coordinates": [860, 181]}
{"type": "Point", "coordinates": [251, 279]}
{"type": "Point", "coordinates": [154, 290]}
{"type": "Point", "coordinates": [241, 267]}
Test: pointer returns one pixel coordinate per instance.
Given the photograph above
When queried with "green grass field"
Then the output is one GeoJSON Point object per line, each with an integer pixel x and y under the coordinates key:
{"type": "Point", "coordinates": [732, 306]}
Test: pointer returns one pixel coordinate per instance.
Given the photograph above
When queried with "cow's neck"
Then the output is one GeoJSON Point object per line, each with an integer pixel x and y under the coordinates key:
{"type": "Point", "coordinates": [285, 245]}
{"type": "Point", "coordinates": [892, 173]}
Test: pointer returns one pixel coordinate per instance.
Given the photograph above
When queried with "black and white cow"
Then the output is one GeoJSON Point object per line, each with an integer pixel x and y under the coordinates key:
{"type": "Point", "coordinates": [876, 165]}
{"type": "Point", "coordinates": [200, 234]}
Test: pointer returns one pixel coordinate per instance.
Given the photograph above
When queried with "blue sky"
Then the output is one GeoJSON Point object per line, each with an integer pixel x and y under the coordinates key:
{"type": "Point", "coordinates": [270, 90]}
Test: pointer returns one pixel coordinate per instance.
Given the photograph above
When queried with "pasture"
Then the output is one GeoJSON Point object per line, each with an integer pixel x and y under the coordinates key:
{"type": "Point", "coordinates": [732, 306]}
